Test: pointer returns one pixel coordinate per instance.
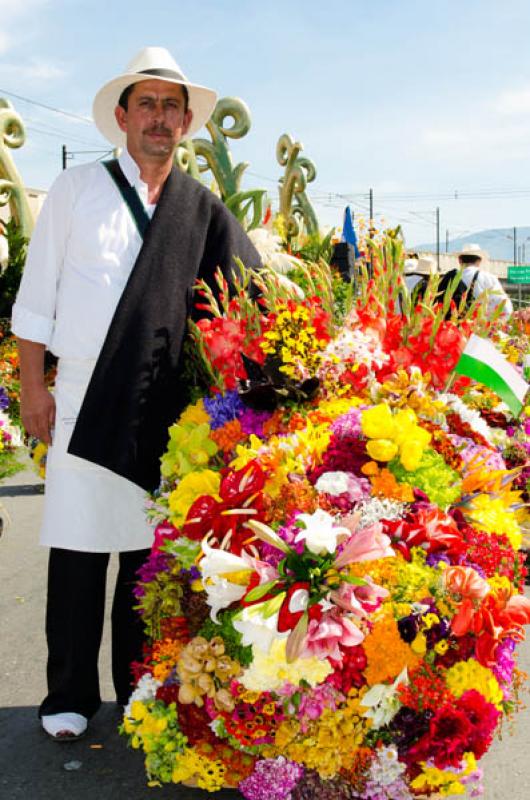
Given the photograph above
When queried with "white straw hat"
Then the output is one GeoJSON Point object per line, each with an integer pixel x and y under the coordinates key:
{"type": "Point", "coordinates": [149, 63]}
{"type": "Point", "coordinates": [473, 249]}
{"type": "Point", "coordinates": [426, 265]}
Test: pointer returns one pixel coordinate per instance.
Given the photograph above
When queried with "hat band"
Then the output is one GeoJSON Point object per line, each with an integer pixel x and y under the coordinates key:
{"type": "Point", "coordinates": [162, 73]}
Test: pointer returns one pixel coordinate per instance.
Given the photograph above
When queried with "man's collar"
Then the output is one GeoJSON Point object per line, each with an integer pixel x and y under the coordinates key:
{"type": "Point", "coordinates": [129, 167]}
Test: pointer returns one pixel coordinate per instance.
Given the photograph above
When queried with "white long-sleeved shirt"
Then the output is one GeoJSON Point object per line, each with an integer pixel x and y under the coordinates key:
{"type": "Point", "coordinates": [80, 256]}
{"type": "Point", "coordinates": [485, 281]}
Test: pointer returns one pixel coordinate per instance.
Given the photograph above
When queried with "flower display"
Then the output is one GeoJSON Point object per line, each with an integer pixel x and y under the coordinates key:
{"type": "Point", "coordinates": [335, 591]}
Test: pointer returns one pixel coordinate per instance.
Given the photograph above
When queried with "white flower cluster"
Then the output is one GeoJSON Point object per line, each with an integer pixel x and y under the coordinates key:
{"type": "Point", "coordinates": [472, 417]}
{"type": "Point", "coordinates": [378, 508]}
{"type": "Point", "coordinates": [145, 691]}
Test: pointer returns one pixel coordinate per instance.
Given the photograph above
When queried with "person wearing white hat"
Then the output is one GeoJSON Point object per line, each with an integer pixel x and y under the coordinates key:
{"type": "Point", "coordinates": [473, 260]}
{"type": "Point", "coordinates": [107, 288]}
{"type": "Point", "coordinates": [418, 270]}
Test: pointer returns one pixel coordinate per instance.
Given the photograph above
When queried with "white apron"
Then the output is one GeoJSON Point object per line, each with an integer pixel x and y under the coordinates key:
{"type": "Point", "coordinates": [87, 507]}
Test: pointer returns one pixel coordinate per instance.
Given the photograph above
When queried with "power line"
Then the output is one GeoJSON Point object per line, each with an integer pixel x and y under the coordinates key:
{"type": "Point", "coordinates": [60, 136]}
{"type": "Point", "coordinates": [49, 108]}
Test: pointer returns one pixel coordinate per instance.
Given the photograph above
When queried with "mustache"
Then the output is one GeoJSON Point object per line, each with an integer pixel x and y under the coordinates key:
{"type": "Point", "coordinates": [159, 129]}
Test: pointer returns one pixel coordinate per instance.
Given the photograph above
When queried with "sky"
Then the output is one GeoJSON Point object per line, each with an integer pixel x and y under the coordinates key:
{"type": "Point", "coordinates": [426, 102]}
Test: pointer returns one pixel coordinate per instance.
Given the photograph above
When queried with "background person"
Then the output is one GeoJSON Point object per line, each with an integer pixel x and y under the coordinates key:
{"type": "Point", "coordinates": [474, 263]}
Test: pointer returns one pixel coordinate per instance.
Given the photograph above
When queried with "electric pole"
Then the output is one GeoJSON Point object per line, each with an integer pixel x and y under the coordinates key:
{"type": "Point", "coordinates": [65, 156]}
{"type": "Point", "coordinates": [438, 239]}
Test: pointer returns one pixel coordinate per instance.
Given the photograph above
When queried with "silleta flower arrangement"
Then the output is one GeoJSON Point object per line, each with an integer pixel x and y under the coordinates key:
{"type": "Point", "coordinates": [334, 594]}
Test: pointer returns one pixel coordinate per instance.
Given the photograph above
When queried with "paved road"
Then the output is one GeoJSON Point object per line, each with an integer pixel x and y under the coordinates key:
{"type": "Point", "coordinates": [33, 768]}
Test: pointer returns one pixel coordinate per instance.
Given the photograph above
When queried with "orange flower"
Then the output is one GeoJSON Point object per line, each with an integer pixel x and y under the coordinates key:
{"type": "Point", "coordinates": [386, 652]}
{"type": "Point", "coordinates": [386, 485]}
{"type": "Point", "coordinates": [227, 437]}
{"type": "Point", "coordinates": [465, 582]}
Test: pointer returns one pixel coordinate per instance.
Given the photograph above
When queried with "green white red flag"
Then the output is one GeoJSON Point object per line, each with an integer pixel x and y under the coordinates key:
{"type": "Point", "coordinates": [483, 362]}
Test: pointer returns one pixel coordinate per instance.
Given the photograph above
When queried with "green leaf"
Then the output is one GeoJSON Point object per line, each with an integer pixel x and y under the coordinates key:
{"type": "Point", "coordinates": [353, 580]}
{"type": "Point", "coordinates": [260, 591]}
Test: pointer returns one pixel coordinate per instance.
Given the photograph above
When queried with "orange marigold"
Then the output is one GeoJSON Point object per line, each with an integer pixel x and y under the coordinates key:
{"type": "Point", "coordinates": [165, 656]}
{"type": "Point", "coordinates": [386, 652]}
{"type": "Point", "coordinates": [384, 484]}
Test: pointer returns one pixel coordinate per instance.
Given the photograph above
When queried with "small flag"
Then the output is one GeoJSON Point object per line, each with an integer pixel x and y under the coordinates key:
{"type": "Point", "coordinates": [348, 231]}
{"type": "Point", "coordinates": [483, 362]}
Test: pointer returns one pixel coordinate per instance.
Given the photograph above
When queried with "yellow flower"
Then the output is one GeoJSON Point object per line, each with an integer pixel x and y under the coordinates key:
{"type": "Point", "coordinates": [246, 453]}
{"type": "Point", "coordinates": [381, 449]}
{"type": "Point", "coordinates": [192, 486]}
{"type": "Point", "coordinates": [194, 415]}
{"type": "Point", "coordinates": [470, 674]}
{"type": "Point", "coordinates": [377, 422]}
{"type": "Point", "coordinates": [490, 514]}
{"type": "Point", "coordinates": [271, 670]}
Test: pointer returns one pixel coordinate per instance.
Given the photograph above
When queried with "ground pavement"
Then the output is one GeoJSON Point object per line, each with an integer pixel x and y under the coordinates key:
{"type": "Point", "coordinates": [100, 766]}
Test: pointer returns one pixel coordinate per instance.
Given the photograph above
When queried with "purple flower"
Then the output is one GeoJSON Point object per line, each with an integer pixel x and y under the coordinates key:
{"type": "Point", "coordinates": [223, 408]}
{"type": "Point", "coordinates": [272, 779]}
{"type": "Point", "coordinates": [4, 399]}
{"type": "Point", "coordinates": [433, 559]}
{"type": "Point", "coordinates": [348, 424]}
{"type": "Point", "coordinates": [253, 421]}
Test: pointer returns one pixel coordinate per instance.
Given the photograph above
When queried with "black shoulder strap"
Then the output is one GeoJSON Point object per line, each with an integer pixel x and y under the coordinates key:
{"type": "Point", "coordinates": [129, 194]}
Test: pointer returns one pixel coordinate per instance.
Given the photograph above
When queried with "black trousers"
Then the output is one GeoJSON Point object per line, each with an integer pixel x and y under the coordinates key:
{"type": "Point", "coordinates": [74, 626]}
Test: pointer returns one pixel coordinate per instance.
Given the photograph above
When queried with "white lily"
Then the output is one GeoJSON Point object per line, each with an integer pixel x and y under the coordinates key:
{"type": "Point", "coordinates": [225, 577]}
{"type": "Point", "coordinates": [258, 630]}
{"type": "Point", "coordinates": [382, 701]}
{"type": "Point", "coordinates": [320, 533]}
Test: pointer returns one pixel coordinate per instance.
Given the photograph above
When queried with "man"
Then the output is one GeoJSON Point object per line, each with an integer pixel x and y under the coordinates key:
{"type": "Point", "coordinates": [472, 260]}
{"type": "Point", "coordinates": [107, 288]}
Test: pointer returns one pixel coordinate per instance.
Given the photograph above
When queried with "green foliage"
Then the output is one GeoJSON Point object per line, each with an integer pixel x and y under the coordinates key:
{"type": "Point", "coordinates": [315, 247]}
{"type": "Point", "coordinates": [9, 464]}
{"type": "Point", "coordinates": [229, 635]}
{"type": "Point", "coordinates": [10, 277]}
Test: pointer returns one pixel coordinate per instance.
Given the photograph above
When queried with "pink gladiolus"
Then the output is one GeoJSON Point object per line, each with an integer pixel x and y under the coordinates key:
{"type": "Point", "coordinates": [368, 544]}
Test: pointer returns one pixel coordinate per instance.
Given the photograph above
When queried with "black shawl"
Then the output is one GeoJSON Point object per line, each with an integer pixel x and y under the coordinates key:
{"type": "Point", "coordinates": [135, 393]}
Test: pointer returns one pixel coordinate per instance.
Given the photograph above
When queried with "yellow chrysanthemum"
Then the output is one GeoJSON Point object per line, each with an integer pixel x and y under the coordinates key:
{"type": "Point", "coordinates": [469, 674]}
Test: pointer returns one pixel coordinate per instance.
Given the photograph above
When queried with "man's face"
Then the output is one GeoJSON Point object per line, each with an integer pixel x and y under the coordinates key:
{"type": "Point", "coordinates": [155, 120]}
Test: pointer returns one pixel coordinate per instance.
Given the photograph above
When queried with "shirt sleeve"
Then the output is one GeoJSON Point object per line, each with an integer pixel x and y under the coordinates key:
{"type": "Point", "coordinates": [33, 315]}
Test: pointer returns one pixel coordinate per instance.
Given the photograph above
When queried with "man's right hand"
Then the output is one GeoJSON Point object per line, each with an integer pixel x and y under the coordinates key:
{"type": "Point", "coordinates": [37, 411]}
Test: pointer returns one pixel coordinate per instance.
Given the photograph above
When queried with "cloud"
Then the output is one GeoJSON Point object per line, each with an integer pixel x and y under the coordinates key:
{"type": "Point", "coordinates": [515, 101]}
{"type": "Point", "coordinates": [36, 69]}
{"type": "Point", "coordinates": [487, 139]}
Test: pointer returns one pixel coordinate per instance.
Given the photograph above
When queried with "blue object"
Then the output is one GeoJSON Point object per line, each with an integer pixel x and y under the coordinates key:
{"type": "Point", "coordinates": [348, 231]}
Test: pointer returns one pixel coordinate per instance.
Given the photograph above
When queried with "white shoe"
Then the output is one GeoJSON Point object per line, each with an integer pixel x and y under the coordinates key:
{"type": "Point", "coordinates": [64, 727]}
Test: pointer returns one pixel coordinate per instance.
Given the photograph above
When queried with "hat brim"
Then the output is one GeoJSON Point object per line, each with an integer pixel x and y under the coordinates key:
{"type": "Point", "coordinates": [201, 101]}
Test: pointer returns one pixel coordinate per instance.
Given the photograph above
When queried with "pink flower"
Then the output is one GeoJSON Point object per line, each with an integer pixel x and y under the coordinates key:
{"type": "Point", "coordinates": [325, 635]}
{"type": "Point", "coordinates": [360, 600]}
{"type": "Point", "coordinates": [164, 532]}
{"type": "Point", "coordinates": [368, 544]}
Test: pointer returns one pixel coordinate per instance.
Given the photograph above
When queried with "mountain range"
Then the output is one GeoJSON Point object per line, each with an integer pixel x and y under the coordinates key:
{"type": "Point", "coordinates": [497, 242]}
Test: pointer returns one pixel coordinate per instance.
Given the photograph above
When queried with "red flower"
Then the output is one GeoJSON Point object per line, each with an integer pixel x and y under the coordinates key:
{"type": "Point", "coordinates": [241, 500]}
{"type": "Point", "coordinates": [293, 606]}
